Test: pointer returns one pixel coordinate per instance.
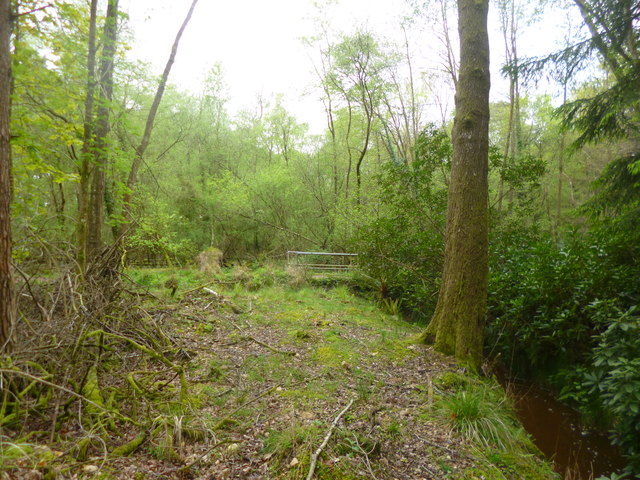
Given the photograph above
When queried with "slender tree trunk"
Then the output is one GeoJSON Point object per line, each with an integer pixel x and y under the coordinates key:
{"type": "Point", "coordinates": [146, 137]}
{"type": "Point", "coordinates": [58, 201]}
{"type": "Point", "coordinates": [512, 141]}
{"type": "Point", "coordinates": [451, 66]}
{"type": "Point", "coordinates": [328, 108]}
{"type": "Point", "coordinates": [349, 152]}
{"type": "Point", "coordinates": [458, 322]}
{"type": "Point", "coordinates": [87, 142]}
{"type": "Point", "coordinates": [561, 156]}
{"type": "Point", "coordinates": [365, 148]}
{"type": "Point", "coordinates": [7, 298]}
{"type": "Point", "coordinates": [413, 126]}
{"type": "Point", "coordinates": [101, 147]}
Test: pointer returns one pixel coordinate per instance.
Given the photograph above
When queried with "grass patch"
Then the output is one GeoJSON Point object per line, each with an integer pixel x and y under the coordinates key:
{"type": "Point", "coordinates": [156, 280]}
{"type": "Point", "coordinates": [291, 448]}
{"type": "Point", "coordinates": [501, 465]}
{"type": "Point", "coordinates": [482, 415]}
{"type": "Point", "coordinates": [289, 452]}
{"type": "Point", "coordinates": [265, 368]}
{"type": "Point", "coordinates": [333, 356]}
{"type": "Point", "coordinates": [345, 344]}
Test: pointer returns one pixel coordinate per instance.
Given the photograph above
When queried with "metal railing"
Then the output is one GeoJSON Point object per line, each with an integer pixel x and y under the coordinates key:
{"type": "Point", "coordinates": [322, 260]}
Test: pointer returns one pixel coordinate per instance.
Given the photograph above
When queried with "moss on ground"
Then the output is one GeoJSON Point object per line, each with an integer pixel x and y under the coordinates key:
{"type": "Point", "coordinates": [270, 361]}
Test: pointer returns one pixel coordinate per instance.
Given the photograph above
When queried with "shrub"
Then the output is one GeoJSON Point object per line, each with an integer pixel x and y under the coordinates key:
{"type": "Point", "coordinates": [547, 301]}
{"type": "Point", "coordinates": [567, 312]}
{"type": "Point", "coordinates": [615, 381]}
{"type": "Point", "coordinates": [401, 243]}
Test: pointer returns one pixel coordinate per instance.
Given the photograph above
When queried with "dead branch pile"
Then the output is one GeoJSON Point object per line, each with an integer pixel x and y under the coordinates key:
{"type": "Point", "coordinates": [91, 367]}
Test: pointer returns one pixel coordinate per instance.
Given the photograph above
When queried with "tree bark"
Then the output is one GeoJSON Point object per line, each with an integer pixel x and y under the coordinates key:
{"type": "Point", "coordinates": [87, 142]}
{"type": "Point", "coordinates": [101, 147]}
{"type": "Point", "coordinates": [509, 28]}
{"type": "Point", "coordinates": [7, 298]}
{"type": "Point", "coordinates": [561, 156]}
{"type": "Point", "coordinates": [458, 321]}
{"type": "Point", "coordinates": [146, 137]}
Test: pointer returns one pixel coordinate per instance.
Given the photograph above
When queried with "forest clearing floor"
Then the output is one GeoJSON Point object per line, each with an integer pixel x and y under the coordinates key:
{"type": "Point", "coordinates": [269, 369]}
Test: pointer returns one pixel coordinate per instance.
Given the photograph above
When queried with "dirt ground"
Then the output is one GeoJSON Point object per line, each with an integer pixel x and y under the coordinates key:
{"type": "Point", "coordinates": [273, 379]}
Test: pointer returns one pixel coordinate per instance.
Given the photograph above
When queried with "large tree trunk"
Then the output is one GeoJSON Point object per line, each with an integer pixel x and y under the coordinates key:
{"type": "Point", "coordinates": [101, 147]}
{"type": "Point", "coordinates": [87, 143]}
{"type": "Point", "coordinates": [458, 322]}
{"type": "Point", "coordinates": [146, 137]}
{"type": "Point", "coordinates": [7, 299]}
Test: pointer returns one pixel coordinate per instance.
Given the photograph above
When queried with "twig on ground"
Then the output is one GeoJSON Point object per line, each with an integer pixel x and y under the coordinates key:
{"type": "Point", "coordinates": [222, 394]}
{"type": "Point", "coordinates": [316, 454]}
{"type": "Point", "coordinates": [451, 452]}
{"type": "Point", "coordinates": [186, 467]}
{"type": "Point", "coordinates": [269, 347]}
{"type": "Point", "coordinates": [199, 287]}
{"type": "Point", "coordinates": [221, 423]}
{"type": "Point", "coordinates": [69, 391]}
{"type": "Point", "coordinates": [430, 471]}
{"type": "Point", "coordinates": [263, 344]}
{"type": "Point", "coordinates": [366, 457]}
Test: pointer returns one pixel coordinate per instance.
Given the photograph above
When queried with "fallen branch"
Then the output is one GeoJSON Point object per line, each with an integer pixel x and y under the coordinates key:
{"type": "Point", "coordinates": [269, 347]}
{"type": "Point", "coordinates": [115, 413]}
{"type": "Point", "coordinates": [198, 287]}
{"type": "Point", "coordinates": [185, 469]}
{"type": "Point", "coordinates": [226, 418]}
{"type": "Point", "coordinates": [261, 343]}
{"type": "Point", "coordinates": [316, 454]}
{"type": "Point", "coordinates": [366, 457]}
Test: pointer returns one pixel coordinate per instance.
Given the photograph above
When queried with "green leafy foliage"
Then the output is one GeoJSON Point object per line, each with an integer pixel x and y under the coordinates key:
{"type": "Point", "coordinates": [547, 301]}
{"type": "Point", "coordinates": [618, 191]}
{"type": "Point", "coordinates": [568, 312]}
{"type": "Point", "coordinates": [402, 245]}
{"type": "Point", "coordinates": [613, 378]}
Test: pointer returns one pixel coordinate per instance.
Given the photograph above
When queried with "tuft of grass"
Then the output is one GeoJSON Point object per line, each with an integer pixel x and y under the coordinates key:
{"type": "Point", "coordinates": [215, 370]}
{"type": "Point", "coordinates": [297, 277]}
{"type": "Point", "coordinates": [391, 306]}
{"type": "Point", "coordinates": [300, 335]}
{"type": "Point", "coordinates": [482, 415]}
{"type": "Point", "coordinates": [296, 441]}
{"type": "Point", "coordinates": [393, 429]}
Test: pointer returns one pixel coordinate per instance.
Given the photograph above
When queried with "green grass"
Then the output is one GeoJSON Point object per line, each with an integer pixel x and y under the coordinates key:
{"type": "Point", "coordinates": [155, 279]}
{"type": "Point", "coordinates": [343, 343]}
{"type": "Point", "coordinates": [477, 416]}
{"type": "Point", "coordinates": [297, 441]}
{"type": "Point", "coordinates": [480, 412]}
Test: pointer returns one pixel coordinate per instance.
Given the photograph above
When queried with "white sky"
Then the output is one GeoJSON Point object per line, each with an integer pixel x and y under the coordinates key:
{"type": "Point", "coordinates": [258, 44]}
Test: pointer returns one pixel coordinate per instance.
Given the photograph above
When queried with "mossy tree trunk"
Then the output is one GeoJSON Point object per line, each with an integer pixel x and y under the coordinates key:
{"type": "Point", "coordinates": [95, 210]}
{"type": "Point", "coordinates": [458, 321]}
{"type": "Point", "coordinates": [7, 299]}
{"type": "Point", "coordinates": [87, 141]}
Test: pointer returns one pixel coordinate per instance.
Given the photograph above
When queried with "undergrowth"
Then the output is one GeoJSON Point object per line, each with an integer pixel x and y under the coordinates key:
{"type": "Point", "coordinates": [482, 414]}
{"type": "Point", "coordinates": [278, 358]}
